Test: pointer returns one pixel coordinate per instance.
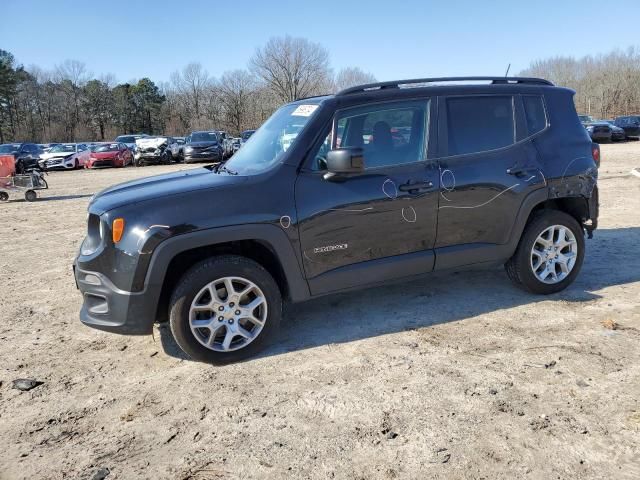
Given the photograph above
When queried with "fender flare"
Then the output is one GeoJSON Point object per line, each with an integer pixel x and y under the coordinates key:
{"type": "Point", "coordinates": [530, 202]}
{"type": "Point", "coordinates": [268, 234]}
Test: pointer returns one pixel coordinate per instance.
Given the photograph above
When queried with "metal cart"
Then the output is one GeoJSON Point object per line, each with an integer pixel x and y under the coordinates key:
{"type": "Point", "coordinates": [27, 183]}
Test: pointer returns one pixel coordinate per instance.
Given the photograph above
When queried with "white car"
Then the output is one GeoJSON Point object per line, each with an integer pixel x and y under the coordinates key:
{"type": "Point", "coordinates": [130, 140]}
{"type": "Point", "coordinates": [153, 150]}
{"type": "Point", "coordinates": [65, 156]}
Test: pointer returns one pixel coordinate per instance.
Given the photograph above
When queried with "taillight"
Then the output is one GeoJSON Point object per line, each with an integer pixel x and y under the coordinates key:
{"type": "Point", "coordinates": [595, 152]}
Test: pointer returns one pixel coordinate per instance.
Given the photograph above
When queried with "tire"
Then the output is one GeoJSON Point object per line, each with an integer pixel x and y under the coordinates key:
{"type": "Point", "coordinates": [76, 165]}
{"type": "Point", "coordinates": [192, 287]}
{"type": "Point", "coordinates": [4, 197]}
{"type": "Point", "coordinates": [30, 196]}
{"type": "Point", "coordinates": [520, 267]}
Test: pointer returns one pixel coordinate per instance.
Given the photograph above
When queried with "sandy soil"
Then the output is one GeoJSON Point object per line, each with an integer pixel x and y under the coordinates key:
{"type": "Point", "coordinates": [456, 376]}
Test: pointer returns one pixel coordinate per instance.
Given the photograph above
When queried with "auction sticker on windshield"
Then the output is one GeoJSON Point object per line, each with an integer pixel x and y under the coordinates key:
{"type": "Point", "coordinates": [304, 110]}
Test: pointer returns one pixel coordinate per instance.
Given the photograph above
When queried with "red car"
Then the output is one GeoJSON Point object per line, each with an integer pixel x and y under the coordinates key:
{"type": "Point", "coordinates": [109, 155]}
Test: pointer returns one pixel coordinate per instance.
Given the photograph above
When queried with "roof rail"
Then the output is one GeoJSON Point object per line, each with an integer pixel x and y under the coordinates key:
{"type": "Point", "coordinates": [398, 83]}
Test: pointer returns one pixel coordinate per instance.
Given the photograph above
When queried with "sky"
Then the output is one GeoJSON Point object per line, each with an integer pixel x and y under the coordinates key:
{"type": "Point", "coordinates": [393, 40]}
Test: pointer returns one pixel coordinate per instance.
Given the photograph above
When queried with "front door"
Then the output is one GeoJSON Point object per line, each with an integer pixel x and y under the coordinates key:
{"type": "Point", "coordinates": [376, 218]}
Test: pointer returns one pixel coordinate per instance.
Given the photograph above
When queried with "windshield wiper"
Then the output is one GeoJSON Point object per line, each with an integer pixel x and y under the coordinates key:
{"type": "Point", "coordinates": [223, 168]}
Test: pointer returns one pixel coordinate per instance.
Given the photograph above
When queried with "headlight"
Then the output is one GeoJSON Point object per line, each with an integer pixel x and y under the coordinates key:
{"type": "Point", "coordinates": [188, 149]}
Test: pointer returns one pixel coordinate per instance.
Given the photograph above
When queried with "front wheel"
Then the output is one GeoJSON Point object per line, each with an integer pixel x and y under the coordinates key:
{"type": "Point", "coordinates": [225, 309]}
{"type": "Point", "coordinates": [549, 255]}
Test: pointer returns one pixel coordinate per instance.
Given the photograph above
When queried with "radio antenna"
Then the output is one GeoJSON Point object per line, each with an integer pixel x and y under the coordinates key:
{"type": "Point", "coordinates": [506, 74]}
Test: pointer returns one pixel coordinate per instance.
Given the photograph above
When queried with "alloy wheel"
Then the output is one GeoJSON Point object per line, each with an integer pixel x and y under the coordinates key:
{"type": "Point", "coordinates": [554, 254]}
{"type": "Point", "coordinates": [228, 314]}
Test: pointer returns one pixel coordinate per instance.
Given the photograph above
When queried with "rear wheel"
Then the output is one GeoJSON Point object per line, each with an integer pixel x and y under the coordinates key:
{"type": "Point", "coordinates": [549, 255]}
{"type": "Point", "coordinates": [225, 309]}
{"type": "Point", "coordinates": [4, 197]}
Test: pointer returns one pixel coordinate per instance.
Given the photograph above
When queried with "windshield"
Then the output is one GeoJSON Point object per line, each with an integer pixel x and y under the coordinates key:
{"type": "Point", "coordinates": [126, 139]}
{"type": "Point", "coordinates": [267, 145]}
{"type": "Point", "coordinates": [69, 148]}
{"type": "Point", "coordinates": [246, 134]}
{"type": "Point", "coordinates": [105, 147]}
{"type": "Point", "coordinates": [9, 148]}
{"type": "Point", "coordinates": [203, 137]}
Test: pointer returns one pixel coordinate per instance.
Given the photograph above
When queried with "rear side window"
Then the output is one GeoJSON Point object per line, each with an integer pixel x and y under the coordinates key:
{"type": "Point", "coordinates": [479, 124]}
{"type": "Point", "coordinates": [535, 113]}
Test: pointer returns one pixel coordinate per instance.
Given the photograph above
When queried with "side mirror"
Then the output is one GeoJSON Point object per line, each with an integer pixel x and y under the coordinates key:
{"type": "Point", "coordinates": [344, 162]}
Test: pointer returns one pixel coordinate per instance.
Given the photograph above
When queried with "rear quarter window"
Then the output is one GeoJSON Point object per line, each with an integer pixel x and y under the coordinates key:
{"type": "Point", "coordinates": [479, 124]}
{"type": "Point", "coordinates": [535, 113]}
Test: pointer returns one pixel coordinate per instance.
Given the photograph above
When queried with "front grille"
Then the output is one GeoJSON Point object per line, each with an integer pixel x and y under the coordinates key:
{"type": "Point", "coordinates": [94, 235]}
{"type": "Point", "coordinates": [103, 163]}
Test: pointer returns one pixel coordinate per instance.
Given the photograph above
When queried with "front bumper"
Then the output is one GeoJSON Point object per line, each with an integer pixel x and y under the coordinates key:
{"type": "Point", "coordinates": [105, 307]}
{"type": "Point", "coordinates": [101, 163]}
{"type": "Point", "coordinates": [57, 164]}
{"type": "Point", "coordinates": [208, 156]}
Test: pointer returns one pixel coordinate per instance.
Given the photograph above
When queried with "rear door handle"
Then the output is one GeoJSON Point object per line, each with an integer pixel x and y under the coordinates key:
{"type": "Point", "coordinates": [521, 171]}
{"type": "Point", "coordinates": [415, 187]}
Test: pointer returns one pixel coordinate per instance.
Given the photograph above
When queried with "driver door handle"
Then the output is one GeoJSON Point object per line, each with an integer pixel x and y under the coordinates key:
{"type": "Point", "coordinates": [415, 187]}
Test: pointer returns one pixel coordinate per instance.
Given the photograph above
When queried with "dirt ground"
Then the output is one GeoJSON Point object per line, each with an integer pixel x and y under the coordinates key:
{"type": "Point", "coordinates": [456, 376]}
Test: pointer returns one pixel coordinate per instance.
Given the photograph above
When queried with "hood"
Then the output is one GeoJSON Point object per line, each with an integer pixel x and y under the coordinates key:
{"type": "Point", "coordinates": [103, 155]}
{"type": "Point", "coordinates": [150, 142]}
{"type": "Point", "coordinates": [159, 186]}
{"type": "Point", "coordinates": [48, 155]}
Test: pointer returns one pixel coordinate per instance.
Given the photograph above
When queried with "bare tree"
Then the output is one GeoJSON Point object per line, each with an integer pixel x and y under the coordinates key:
{"type": "Point", "coordinates": [350, 77]}
{"type": "Point", "coordinates": [292, 68]}
{"type": "Point", "coordinates": [193, 84]}
{"type": "Point", "coordinates": [237, 89]}
{"type": "Point", "coordinates": [71, 76]}
{"type": "Point", "coordinates": [606, 85]}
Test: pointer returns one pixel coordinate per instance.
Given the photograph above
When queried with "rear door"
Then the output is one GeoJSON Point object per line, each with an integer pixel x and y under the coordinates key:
{"type": "Point", "coordinates": [488, 166]}
{"type": "Point", "coordinates": [360, 230]}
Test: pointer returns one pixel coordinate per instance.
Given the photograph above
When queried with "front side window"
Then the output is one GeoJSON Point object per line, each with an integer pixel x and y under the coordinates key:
{"type": "Point", "coordinates": [390, 134]}
{"type": "Point", "coordinates": [479, 124]}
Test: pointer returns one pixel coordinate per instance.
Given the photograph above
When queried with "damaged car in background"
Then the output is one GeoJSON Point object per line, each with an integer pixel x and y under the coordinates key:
{"type": "Point", "coordinates": [153, 150]}
{"type": "Point", "coordinates": [177, 148]}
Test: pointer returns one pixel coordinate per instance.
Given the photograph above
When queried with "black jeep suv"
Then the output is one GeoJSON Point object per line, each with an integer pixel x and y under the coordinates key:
{"type": "Point", "coordinates": [376, 183]}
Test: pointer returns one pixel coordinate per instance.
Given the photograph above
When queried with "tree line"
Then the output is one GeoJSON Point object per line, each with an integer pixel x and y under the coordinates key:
{"type": "Point", "coordinates": [70, 104]}
{"type": "Point", "coordinates": [606, 85]}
